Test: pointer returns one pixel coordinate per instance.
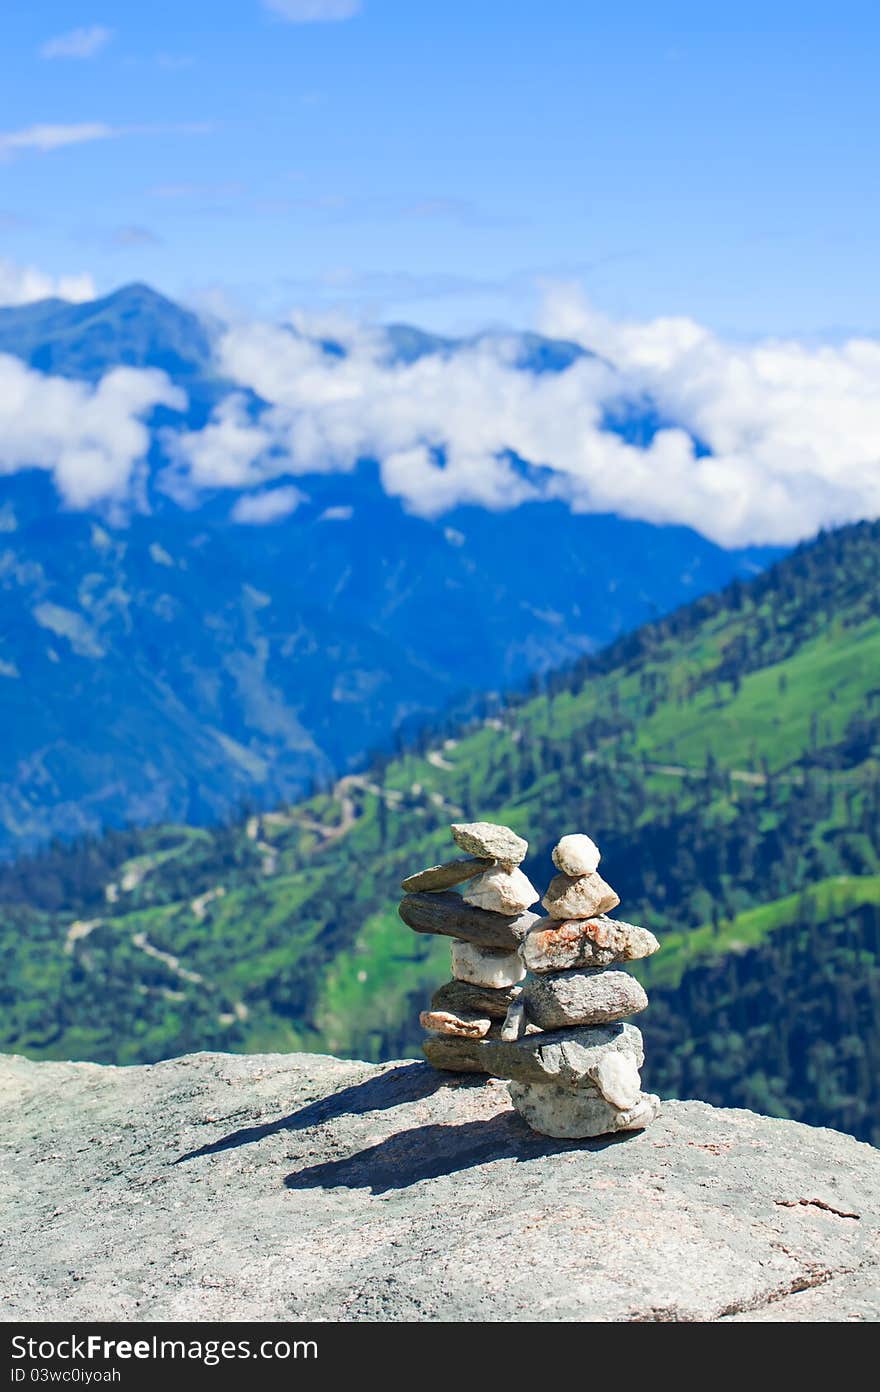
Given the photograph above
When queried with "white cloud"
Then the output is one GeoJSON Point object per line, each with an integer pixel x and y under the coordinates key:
{"type": "Point", "coordinates": [79, 43]}
{"type": "Point", "coordinates": [89, 437]}
{"type": "Point", "coordinates": [759, 443]}
{"type": "Point", "coordinates": [793, 431]}
{"type": "Point", "coordinates": [226, 453]}
{"type": "Point", "coordinates": [313, 11]}
{"type": "Point", "coordinates": [45, 137]}
{"type": "Point", "coordinates": [258, 509]}
{"type": "Point", "coordinates": [23, 284]}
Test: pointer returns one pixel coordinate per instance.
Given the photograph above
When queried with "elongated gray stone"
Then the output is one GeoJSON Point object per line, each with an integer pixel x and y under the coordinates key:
{"type": "Point", "coordinates": [589, 997]}
{"type": "Point", "coordinates": [463, 997]}
{"type": "Point", "coordinates": [447, 913]}
{"type": "Point", "coordinates": [558, 944]}
{"type": "Point", "coordinates": [491, 840]}
{"type": "Point", "coordinates": [452, 1055]}
{"type": "Point", "coordinates": [579, 896]}
{"type": "Point", "coordinates": [568, 1056]}
{"type": "Point", "coordinates": [577, 1113]}
{"type": "Point", "coordinates": [451, 872]}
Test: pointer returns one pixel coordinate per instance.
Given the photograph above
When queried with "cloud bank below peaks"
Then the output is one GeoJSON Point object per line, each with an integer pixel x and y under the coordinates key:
{"type": "Point", "coordinates": [759, 443]}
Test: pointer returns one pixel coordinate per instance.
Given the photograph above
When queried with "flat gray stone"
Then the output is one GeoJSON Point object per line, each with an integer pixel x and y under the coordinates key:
{"type": "Point", "coordinates": [463, 997]}
{"type": "Point", "coordinates": [451, 872]}
{"type": "Point", "coordinates": [447, 914]}
{"type": "Point", "coordinates": [493, 841]}
{"type": "Point", "coordinates": [458, 1055]}
{"type": "Point", "coordinates": [300, 1187]}
{"type": "Point", "coordinates": [568, 1056]}
{"type": "Point", "coordinates": [578, 1113]}
{"type": "Point", "coordinates": [582, 997]}
{"type": "Point", "coordinates": [558, 944]}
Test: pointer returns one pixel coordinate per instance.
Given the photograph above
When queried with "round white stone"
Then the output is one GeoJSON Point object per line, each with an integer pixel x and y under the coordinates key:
{"type": "Point", "coordinates": [484, 967]}
{"type": "Point", "coordinates": [576, 855]}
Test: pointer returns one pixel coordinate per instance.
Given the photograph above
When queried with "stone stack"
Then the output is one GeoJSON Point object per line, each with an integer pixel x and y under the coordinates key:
{"type": "Point", "coordinates": [580, 1075]}
{"type": "Point", "coordinates": [487, 920]}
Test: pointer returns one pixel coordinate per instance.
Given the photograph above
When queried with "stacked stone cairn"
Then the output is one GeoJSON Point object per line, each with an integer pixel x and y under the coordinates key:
{"type": "Point", "coordinates": [487, 922]}
{"type": "Point", "coordinates": [540, 1002]}
{"type": "Point", "coordinates": [576, 994]}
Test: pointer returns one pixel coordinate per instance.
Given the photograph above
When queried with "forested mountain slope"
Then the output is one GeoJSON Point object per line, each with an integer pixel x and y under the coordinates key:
{"type": "Point", "coordinates": [726, 760]}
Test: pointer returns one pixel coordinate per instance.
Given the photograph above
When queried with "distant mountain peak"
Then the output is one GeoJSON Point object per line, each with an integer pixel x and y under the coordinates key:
{"type": "Point", "coordinates": [133, 326]}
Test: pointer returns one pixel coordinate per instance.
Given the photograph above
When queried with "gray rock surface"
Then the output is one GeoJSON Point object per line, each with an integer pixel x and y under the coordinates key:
{"type": "Point", "coordinates": [451, 872]}
{"type": "Point", "coordinates": [491, 840]}
{"type": "Point", "coordinates": [556, 945]}
{"type": "Point", "coordinates": [592, 996]}
{"type": "Point", "coordinates": [448, 914]}
{"type": "Point", "coordinates": [277, 1187]}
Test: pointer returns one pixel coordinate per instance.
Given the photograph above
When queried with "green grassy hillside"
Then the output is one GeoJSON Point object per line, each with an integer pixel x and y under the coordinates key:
{"type": "Point", "coordinates": [725, 758]}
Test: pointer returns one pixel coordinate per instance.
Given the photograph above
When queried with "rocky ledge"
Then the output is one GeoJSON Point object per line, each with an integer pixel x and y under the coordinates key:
{"type": "Point", "coordinates": [304, 1187]}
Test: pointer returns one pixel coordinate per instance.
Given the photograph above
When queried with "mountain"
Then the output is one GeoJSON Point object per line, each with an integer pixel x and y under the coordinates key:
{"type": "Point", "coordinates": [726, 758]}
{"type": "Point", "coordinates": [133, 327]}
{"type": "Point", "coordinates": [171, 663]}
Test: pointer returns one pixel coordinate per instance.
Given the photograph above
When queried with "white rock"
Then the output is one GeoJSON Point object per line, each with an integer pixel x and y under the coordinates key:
{"type": "Point", "coordinates": [484, 967]}
{"type": "Point", "coordinates": [617, 1078]}
{"type": "Point", "coordinates": [501, 891]}
{"type": "Point", "coordinates": [576, 855]}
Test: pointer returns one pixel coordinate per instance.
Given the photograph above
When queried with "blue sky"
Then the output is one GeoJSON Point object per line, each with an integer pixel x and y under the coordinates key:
{"type": "Point", "coordinates": [436, 160]}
